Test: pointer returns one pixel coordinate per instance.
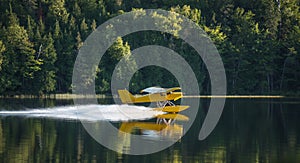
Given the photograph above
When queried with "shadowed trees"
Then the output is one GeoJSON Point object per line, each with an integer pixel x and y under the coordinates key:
{"type": "Point", "coordinates": [257, 40]}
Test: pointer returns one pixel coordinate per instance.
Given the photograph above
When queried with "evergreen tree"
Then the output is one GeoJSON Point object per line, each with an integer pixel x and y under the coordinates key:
{"type": "Point", "coordinates": [2, 49]}
{"type": "Point", "coordinates": [94, 25]}
{"type": "Point", "coordinates": [84, 28]}
{"type": "Point", "coordinates": [57, 11]}
{"type": "Point", "coordinates": [45, 78]}
{"type": "Point", "coordinates": [57, 31]}
{"type": "Point", "coordinates": [79, 42]}
{"type": "Point", "coordinates": [41, 26]}
{"type": "Point", "coordinates": [77, 11]}
{"type": "Point", "coordinates": [21, 64]}
{"type": "Point", "coordinates": [66, 55]}
{"type": "Point", "coordinates": [72, 24]}
{"type": "Point", "coordinates": [30, 27]}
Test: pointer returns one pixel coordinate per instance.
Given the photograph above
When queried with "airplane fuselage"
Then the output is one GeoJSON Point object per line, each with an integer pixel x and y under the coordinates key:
{"type": "Point", "coordinates": [127, 97]}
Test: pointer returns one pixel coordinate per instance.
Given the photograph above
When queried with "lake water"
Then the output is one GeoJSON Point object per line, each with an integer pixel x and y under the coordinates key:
{"type": "Point", "coordinates": [250, 130]}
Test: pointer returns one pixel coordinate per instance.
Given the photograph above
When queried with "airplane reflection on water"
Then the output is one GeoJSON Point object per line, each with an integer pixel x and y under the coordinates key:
{"type": "Point", "coordinates": [164, 127]}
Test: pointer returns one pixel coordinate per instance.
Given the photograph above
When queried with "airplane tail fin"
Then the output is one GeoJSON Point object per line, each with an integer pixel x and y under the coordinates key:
{"type": "Point", "coordinates": [126, 97]}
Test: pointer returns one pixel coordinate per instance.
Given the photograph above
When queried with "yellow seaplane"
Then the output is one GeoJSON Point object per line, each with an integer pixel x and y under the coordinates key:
{"type": "Point", "coordinates": [162, 97]}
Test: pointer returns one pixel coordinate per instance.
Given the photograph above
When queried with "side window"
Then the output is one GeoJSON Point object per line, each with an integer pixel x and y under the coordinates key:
{"type": "Point", "coordinates": [163, 94]}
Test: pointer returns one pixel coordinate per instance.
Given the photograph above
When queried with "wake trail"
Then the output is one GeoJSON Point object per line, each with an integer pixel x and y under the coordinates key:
{"type": "Point", "coordinates": [88, 113]}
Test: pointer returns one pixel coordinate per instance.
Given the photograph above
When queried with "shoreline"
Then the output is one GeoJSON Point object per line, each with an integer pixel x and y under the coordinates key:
{"type": "Point", "coordinates": [55, 96]}
{"type": "Point", "coordinates": [239, 96]}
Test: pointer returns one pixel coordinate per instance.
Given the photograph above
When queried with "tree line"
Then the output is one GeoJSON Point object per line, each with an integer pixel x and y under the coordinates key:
{"type": "Point", "coordinates": [259, 42]}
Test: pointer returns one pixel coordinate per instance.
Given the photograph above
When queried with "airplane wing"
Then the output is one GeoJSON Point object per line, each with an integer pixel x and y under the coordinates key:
{"type": "Point", "coordinates": [152, 90]}
{"type": "Point", "coordinates": [172, 89]}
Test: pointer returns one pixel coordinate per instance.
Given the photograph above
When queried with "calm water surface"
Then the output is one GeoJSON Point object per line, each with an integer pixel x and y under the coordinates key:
{"type": "Point", "coordinates": [250, 130]}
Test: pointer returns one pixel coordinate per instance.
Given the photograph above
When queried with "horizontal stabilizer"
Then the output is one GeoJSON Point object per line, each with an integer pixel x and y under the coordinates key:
{"type": "Point", "coordinates": [126, 97]}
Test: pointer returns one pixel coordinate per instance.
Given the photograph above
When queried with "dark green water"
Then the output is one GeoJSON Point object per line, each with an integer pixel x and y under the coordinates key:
{"type": "Point", "coordinates": [250, 130]}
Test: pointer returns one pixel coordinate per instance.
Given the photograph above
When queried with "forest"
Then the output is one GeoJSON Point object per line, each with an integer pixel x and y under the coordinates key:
{"type": "Point", "coordinates": [258, 40]}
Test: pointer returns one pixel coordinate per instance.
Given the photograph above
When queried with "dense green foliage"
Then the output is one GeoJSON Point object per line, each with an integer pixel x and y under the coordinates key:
{"type": "Point", "coordinates": [259, 42]}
